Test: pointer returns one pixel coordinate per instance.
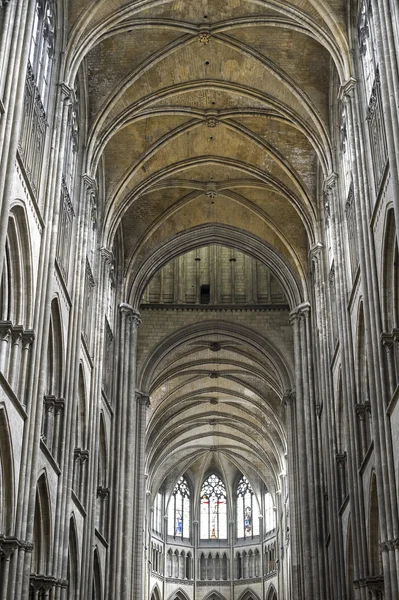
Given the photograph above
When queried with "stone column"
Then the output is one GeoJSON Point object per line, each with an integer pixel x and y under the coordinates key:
{"type": "Point", "coordinates": [294, 585]}
{"type": "Point", "coordinates": [7, 547]}
{"type": "Point", "coordinates": [306, 449]}
{"type": "Point", "coordinates": [124, 564]}
{"type": "Point", "coordinates": [139, 516]}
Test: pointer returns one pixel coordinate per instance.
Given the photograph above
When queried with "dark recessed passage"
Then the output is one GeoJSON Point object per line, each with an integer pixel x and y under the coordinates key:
{"type": "Point", "coordinates": [205, 296]}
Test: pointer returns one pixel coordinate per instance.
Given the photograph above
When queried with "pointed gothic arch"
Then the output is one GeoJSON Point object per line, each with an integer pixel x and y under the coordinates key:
{"type": "Point", "coordinates": [16, 282]}
{"type": "Point", "coordinates": [272, 594]}
{"type": "Point", "coordinates": [42, 528]}
{"type": "Point", "coordinates": [81, 411]}
{"type": "Point", "coordinates": [179, 594]}
{"type": "Point", "coordinates": [214, 595]}
{"type": "Point", "coordinates": [6, 475]}
{"type": "Point", "coordinates": [55, 353]}
{"type": "Point", "coordinates": [73, 569]}
{"type": "Point", "coordinates": [374, 538]}
{"type": "Point", "coordinates": [249, 594]}
{"type": "Point", "coordinates": [97, 593]}
{"type": "Point", "coordinates": [156, 593]}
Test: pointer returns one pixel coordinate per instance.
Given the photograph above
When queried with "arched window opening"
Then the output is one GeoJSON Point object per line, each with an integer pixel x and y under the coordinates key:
{"type": "Point", "coordinates": [372, 90]}
{"type": "Point", "coordinates": [73, 563]}
{"type": "Point", "coordinates": [42, 48]}
{"type": "Point", "coordinates": [213, 519]}
{"type": "Point", "coordinates": [97, 586]}
{"type": "Point", "coordinates": [157, 514]}
{"type": "Point", "coordinates": [363, 407]}
{"type": "Point", "coordinates": [247, 510]}
{"type": "Point", "coordinates": [374, 532]}
{"type": "Point", "coordinates": [53, 403]}
{"type": "Point", "coordinates": [6, 476]}
{"type": "Point", "coordinates": [102, 489]}
{"type": "Point", "coordinates": [270, 513]}
{"type": "Point", "coordinates": [37, 86]}
{"type": "Point", "coordinates": [41, 529]}
{"type": "Point", "coordinates": [179, 510]}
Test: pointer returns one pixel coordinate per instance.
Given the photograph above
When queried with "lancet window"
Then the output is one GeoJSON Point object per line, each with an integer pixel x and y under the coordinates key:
{"type": "Point", "coordinates": [371, 81]}
{"type": "Point", "coordinates": [37, 85]}
{"type": "Point", "coordinates": [213, 521]}
{"type": "Point", "coordinates": [157, 514]}
{"type": "Point", "coordinates": [247, 510]}
{"type": "Point", "coordinates": [179, 510]}
{"type": "Point", "coordinates": [42, 47]}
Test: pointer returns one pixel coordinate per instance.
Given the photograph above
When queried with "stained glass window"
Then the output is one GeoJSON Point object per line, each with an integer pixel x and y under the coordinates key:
{"type": "Point", "coordinates": [157, 514]}
{"type": "Point", "coordinates": [247, 510]}
{"type": "Point", "coordinates": [213, 521]}
{"type": "Point", "coordinates": [270, 515]}
{"type": "Point", "coordinates": [179, 510]}
{"type": "Point", "coordinates": [42, 47]}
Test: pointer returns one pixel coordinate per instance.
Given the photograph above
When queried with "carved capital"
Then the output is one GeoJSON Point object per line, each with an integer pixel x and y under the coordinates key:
{"type": "Point", "coordinates": [5, 330]}
{"type": "Point", "coordinates": [316, 252]}
{"type": "Point", "coordinates": [42, 583]}
{"type": "Point", "coordinates": [16, 334]}
{"type": "Point", "coordinates": [102, 492]}
{"type": "Point", "coordinates": [347, 89]}
{"type": "Point", "coordinates": [81, 455]}
{"type": "Point", "coordinates": [301, 311]}
{"type": "Point", "coordinates": [67, 93]}
{"type": "Point", "coordinates": [8, 545]}
{"type": "Point", "coordinates": [130, 313]}
{"type": "Point", "coordinates": [27, 338]}
{"type": "Point", "coordinates": [59, 405]}
{"type": "Point", "coordinates": [289, 398]}
{"type": "Point", "coordinates": [106, 256]}
{"type": "Point", "coordinates": [49, 403]}
{"type": "Point", "coordinates": [142, 399]}
{"type": "Point", "coordinates": [375, 584]}
{"type": "Point", "coordinates": [330, 185]}
{"type": "Point", "coordinates": [387, 341]}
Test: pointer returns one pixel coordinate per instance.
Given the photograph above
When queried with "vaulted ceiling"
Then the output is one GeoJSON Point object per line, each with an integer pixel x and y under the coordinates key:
{"type": "Point", "coordinates": [210, 115]}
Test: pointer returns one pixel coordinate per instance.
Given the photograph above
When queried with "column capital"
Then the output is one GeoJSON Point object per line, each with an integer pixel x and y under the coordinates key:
{"type": "Point", "coordinates": [8, 545]}
{"type": "Point", "coordinates": [302, 310]}
{"type": "Point", "coordinates": [142, 398]}
{"type": "Point", "coordinates": [130, 312]}
{"type": "Point", "coordinates": [289, 397]}
{"type": "Point", "coordinates": [106, 256]}
{"type": "Point", "coordinates": [316, 251]}
{"type": "Point", "coordinates": [67, 93]}
{"type": "Point", "coordinates": [16, 334]}
{"type": "Point", "coordinates": [90, 182]}
{"type": "Point", "coordinates": [28, 337]}
{"type": "Point", "coordinates": [330, 184]}
{"type": "Point", "coordinates": [5, 330]}
{"type": "Point", "coordinates": [347, 89]}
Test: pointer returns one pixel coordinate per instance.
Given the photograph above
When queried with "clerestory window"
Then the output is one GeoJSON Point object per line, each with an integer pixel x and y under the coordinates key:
{"type": "Point", "coordinates": [247, 510]}
{"type": "Point", "coordinates": [42, 48]}
{"type": "Point", "coordinates": [179, 510]}
{"type": "Point", "coordinates": [213, 517]}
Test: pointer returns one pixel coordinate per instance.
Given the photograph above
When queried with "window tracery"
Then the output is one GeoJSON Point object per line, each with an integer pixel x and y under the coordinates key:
{"type": "Point", "coordinates": [247, 510]}
{"type": "Point", "coordinates": [213, 522]}
{"type": "Point", "coordinates": [179, 510]}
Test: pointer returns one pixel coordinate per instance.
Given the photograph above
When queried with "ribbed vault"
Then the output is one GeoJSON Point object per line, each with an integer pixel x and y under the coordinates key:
{"type": "Point", "coordinates": [209, 124]}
